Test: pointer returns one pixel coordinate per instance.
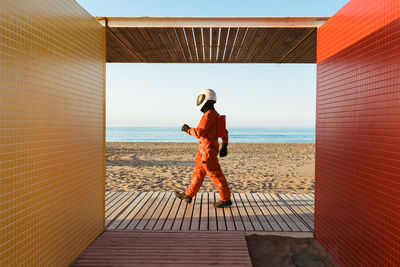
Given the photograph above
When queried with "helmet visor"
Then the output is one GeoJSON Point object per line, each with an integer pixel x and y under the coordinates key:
{"type": "Point", "coordinates": [200, 99]}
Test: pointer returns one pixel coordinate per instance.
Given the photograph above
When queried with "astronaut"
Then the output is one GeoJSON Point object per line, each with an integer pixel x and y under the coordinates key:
{"type": "Point", "coordinates": [211, 126]}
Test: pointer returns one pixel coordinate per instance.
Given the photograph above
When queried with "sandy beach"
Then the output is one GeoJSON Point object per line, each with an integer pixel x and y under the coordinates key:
{"type": "Point", "coordinates": [269, 168]}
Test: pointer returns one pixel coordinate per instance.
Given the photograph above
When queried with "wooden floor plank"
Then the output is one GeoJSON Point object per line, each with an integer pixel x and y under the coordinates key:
{"type": "Point", "coordinates": [141, 215]}
{"type": "Point", "coordinates": [157, 213]}
{"type": "Point", "coordinates": [179, 215]}
{"type": "Point", "coordinates": [265, 224]}
{"type": "Point", "coordinates": [121, 207]}
{"type": "Point", "coordinates": [116, 198]}
{"type": "Point", "coordinates": [212, 216]}
{"type": "Point", "coordinates": [120, 202]}
{"type": "Point", "coordinates": [310, 197]}
{"type": "Point", "coordinates": [309, 200]}
{"type": "Point", "coordinates": [172, 213]}
{"type": "Point", "coordinates": [109, 194]}
{"type": "Point", "coordinates": [165, 212]}
{"type": "Point", "coordinates": [273, 217]}
{"type": "Point", "coordinates": [293, 216]}
{"type": "Point", "coordinates": [221, 225]}
{"type": "Point", "coordinates": [151, 216]}
{"type": "Point", "coordinates": [195, 224]}
{"type": "Point", "coordinates": [110, 197]}
{"type": "Point", "coordinates": [236, 216]}
{"type": "Point", "coordinates": [135, 210]}
{"type": "Point", "coordinates": [133, 248]}
{"type": "Point", "coordinates": [242, 211]}
{"type": "Point", "coordinates": [305, 203]}
{"type": "Point", "coordinates": [282, 213]}
{"type": "Point", "coordinates": [250, 212]}
{"type": "Point", "coordinates": [204, 212]}
{"type": "Point", "coordinates": [187, 218]}
{"type": "Point", "coordinates": [230, 224]}
{"type": "Point", "coordinates": [301, 210]}
{"type": "Point", "coordinates": [149, 211]}
{"type": "Point", "coordinates": [298, 209]}
{"type": "Point", "coordinates": [123, 217]}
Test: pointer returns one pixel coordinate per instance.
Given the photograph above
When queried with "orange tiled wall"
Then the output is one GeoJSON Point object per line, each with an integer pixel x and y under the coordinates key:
{"type": "Point", "coordinates": [52, 67]}
{"type": "Point", "coordinates": [357, 215]}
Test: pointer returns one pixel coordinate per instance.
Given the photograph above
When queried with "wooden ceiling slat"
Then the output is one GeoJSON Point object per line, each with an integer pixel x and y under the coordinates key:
{"type": "Point", "coordinates": [259, 36]}
{"type": "Point", "coordinates": [163, 35]}
{"type": "Point", "coordinates": [207, 45]}
{"type": "Point", "coordinates": [302, 47]}
{"type": "Point", "coordinates": [127, 43]}
{"type": "Point", "coordinates": [176, 44]}
{"type": "Point", "coordinates": [269, 33]}
{"type": "Point", "coordinates": [191, 43]}
{"type": "Point", "coordinates": [135, 43]}
{"type": "Point", "coordinates": [272, 48]}
{"type": "Point", "coordinates": [312, 48]}
{"type": "Point", "coordinates": [305, 52]}
{"type": "Point", "coordinates": [311, 55]}
{"type": "Point", "coordinates": [214, 44]}
{"type": "Point", "coordinates": [279, 46]}
{"type": "Point", "coordinates": [139, 41]}
{"type": "Point", "coordinates": [229, 44]}
{"type": "Point", "coordinates": [120, 52]}
{"type": "Point", "coordinates": [238, 43]}
{"type": "Point", "coordinates": [182, 40]}
{"type": "Point", "coordinates": [165, 53]}
{"type": "Point", "coordinates": [157, 45]}
{"type": "Point", "coordinates": [267, 46]}
{"type": "Point", "coordinates": [199, 43]}
{"type": "Point", "coordinates": [222, 44]}
{"type": "Point", "coordinates": [151, 44]}
{"type": "Point", "coordinates": [112, 54]}
{"type": "Point", "coordinates": [289, 41]}
{"type": "Point", "coordinates": [251, 32]}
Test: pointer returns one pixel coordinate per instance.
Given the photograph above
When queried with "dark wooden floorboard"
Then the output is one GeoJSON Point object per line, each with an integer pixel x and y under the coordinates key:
{"type": "Point", "coordinates": [145, 248]}
{"type": "Point", "coordinates": [162, 211]}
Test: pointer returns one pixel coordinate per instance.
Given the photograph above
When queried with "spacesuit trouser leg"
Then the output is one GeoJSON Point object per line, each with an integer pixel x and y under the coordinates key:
{"type": "Point", "coordinates": [197, 178]}
{"type": "Point", "coordinates": [218, 179]}
{"type": "Point", "coordinates": [213, 170]}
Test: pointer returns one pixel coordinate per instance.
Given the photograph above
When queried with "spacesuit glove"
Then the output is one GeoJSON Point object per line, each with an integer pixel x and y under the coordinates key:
{"type": "Point", "coordinates": [185, 128]}
{"type": "Point", "coordinates": [224, 150]}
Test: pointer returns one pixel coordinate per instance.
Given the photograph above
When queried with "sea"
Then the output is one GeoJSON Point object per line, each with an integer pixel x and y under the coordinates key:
{"type": "Point", "coordinates": [236, 134]}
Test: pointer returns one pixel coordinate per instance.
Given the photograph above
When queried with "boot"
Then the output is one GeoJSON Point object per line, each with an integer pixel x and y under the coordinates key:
{"type": "Point", "coordinates": [183, 196]}
{"type": "Point", "coordinates": [223, 204]}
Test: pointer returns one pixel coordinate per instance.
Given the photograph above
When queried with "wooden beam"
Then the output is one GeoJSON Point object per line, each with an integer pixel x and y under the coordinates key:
{"type": "Point", "coordinates": [213, 22]}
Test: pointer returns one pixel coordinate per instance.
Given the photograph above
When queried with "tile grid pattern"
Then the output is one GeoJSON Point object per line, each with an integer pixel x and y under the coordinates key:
{"type": "Point", "coordinates": [357, 198]}
{"type": "Point", "coordinates": [52, 63]}
{"type": "Point", "coordinates": [352, 23]}
{"type": "Point", "coordinates": [250, 212]}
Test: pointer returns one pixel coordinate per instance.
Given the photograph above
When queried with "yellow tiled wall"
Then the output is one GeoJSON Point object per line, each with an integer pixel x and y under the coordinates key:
{"type": "Point", "coordinates": [52, 91]}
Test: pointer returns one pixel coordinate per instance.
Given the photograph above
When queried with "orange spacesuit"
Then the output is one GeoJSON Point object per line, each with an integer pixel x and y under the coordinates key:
{"type": "Point", "coordinates": [206, 159]}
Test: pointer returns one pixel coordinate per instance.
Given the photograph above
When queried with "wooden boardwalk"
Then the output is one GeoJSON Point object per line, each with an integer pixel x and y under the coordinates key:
{"type": "Point", "coordinates": [162, 211]}
{"type": "Point", "coordinates": [139, 248]}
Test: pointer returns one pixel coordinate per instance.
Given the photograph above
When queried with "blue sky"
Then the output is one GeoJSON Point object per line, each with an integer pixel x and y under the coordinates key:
{"type": "Point", "coordinates": [251, 95]}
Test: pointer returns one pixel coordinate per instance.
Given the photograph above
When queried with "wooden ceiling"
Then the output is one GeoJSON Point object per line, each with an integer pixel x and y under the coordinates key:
{"type": "Point", "coordinates": [211, 40]}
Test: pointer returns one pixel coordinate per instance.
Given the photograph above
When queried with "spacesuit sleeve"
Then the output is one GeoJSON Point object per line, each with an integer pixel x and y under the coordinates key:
{"type": "Point", "coordinates": [202, 128]}
{"type": "Point", "coordinates": [225, 138]}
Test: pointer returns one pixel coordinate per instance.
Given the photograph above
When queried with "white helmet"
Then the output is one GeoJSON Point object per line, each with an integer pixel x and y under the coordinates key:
{"type": "Point", "coordinates": [204, 96]}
